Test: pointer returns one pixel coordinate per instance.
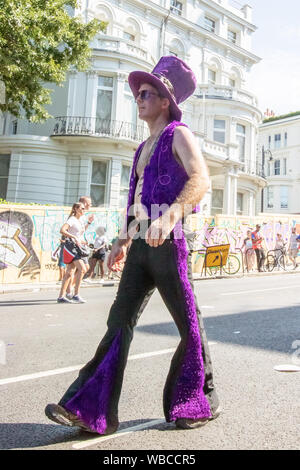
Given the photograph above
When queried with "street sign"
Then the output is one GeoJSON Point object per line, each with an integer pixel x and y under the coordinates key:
{"type": "Point", "coordinates": [214, 257]}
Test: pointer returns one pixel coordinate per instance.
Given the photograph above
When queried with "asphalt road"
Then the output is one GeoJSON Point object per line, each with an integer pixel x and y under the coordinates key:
{"type": "Point", "coordinates": [252, 325]}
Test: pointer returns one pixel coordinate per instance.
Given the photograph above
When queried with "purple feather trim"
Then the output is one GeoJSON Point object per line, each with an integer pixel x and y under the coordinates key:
{"type": "Point", "coordinates": [189, 400]}
{"type": "Point", "coordinates": [91, 402]}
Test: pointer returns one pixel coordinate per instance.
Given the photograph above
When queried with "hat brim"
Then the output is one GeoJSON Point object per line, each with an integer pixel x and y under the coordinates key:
{"type": "Point", "coordinates": [136, 79]}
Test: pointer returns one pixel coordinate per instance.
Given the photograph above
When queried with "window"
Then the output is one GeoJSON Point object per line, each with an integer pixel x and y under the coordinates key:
{"type": "Point", "coordinates": [277, 139]}
{"type": "Point", "coordinates": [239, 203]}
{"type": "Point", "coordinates": [269, 142]}
{"type": "Point", "coordinates": [131, 31]}
{"type": "Point", "coordinates": [128, 36]}
{"type": "Point", "coordinates": [209, 24]}
{"type": "Point", "coordinates": [284, 195]}
{"type": "Point", "coordinates": [217, 201]}
{"type": "Point", "coordinates": [231, 36]}
{"type": "Point", "coordinates": [284, 167]}
{"type": "Point", "coordinates": [285, 139]}
{"type": "Point", "coordinates": [219, 130]}
{"type": "Point", "coordinates": [241, 137]}
{"type": "Point", "coordinates": [98, 183]}
{"type": "Point", "coordinates": [212, 76]}
{"type": "Point", "coordinates": [231, 82]}
{"type": "Point", "coordinates": [176, 7]}
{"type": "Point", "coordinates": [268, 169]}
{"type": "Point", "coordinates": [270, 197]}
{"type": "Point", "coordinates": [14, 127]}
{"type": "Point", "coordinates": [125, 176]}
{"type": "Point", "coordinates": [277, 167]}
{"type": "Point", "coordinates": [130, 108]}
{"type": "Point", "coordinates": [104, 104]}
{"type": "Point", "coordinates": [4, 172]}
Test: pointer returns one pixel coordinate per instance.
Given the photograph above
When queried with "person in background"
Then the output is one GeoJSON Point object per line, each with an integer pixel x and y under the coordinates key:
{"type": "Point", "coordinates": [74, 229]}
{"type": "Point", "coordinates": [249, 254]}
{"type": "Point", "coordinates": [293, 245]}
{"type": "Point", "coordinates": [87, 202]}
{"type": "Point", "coordinates": [257, 240]}
{"type": "Point", "coordinates": [61, 264]}
{"type": "Point", "coordinates": [100, 248]}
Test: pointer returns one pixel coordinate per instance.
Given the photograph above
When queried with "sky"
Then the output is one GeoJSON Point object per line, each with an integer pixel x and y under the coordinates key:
{"type": "Point", "coordinates": [275, 80]}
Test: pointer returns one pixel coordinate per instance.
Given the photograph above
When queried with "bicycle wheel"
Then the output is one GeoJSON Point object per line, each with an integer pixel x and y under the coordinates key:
{"type": "Point", "coordinates": [286, 263]}
{"type": "Point", "coordinates": [233, 265]}
{"type": "Point", "coordinates": [270, 263]}
{"type": "Point", "coordinates": [212, 271]}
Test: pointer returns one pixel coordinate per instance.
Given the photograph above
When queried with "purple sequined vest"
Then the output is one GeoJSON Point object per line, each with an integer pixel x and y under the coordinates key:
{"type": "Point", "coordinates": [164, 177]}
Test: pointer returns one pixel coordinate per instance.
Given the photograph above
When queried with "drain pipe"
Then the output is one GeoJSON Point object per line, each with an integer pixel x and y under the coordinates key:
{"type": "Point", "coordinates": [163, 34]}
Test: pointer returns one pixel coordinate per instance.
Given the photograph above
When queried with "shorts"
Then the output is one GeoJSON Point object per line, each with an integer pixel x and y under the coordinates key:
{"type": "Point", "coordinates": [99, 256]}
{"type": "Point", "coordinates": [293, 252]}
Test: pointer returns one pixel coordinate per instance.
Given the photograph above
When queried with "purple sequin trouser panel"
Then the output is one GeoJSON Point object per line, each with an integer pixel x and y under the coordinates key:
{"type": "Point", "coordinates": [91, 402]}
{"type": "Point", "coordinates": [188, 398]}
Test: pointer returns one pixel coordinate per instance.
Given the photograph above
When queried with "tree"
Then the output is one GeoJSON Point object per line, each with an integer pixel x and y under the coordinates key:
{"type": "Point", "coordinates": [39, 42]}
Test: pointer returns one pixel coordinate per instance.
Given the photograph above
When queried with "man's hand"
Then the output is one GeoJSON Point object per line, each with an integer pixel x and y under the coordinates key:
{"type": "Point", "coordinates": [91, 218]}
{"type": "Point", "coordinates": [117, 254]}
{"type": "Point", "coordinates": [159, 230]}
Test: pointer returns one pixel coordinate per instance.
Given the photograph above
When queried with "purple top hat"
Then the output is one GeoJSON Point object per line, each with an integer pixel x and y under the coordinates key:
{"type": "Point", "coordinates": [172, 78]}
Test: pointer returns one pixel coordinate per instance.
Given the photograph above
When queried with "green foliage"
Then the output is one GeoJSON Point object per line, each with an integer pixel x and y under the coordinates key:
{"type": "Point", "coordinates": [283, 116]}
{"type": "Point", "coordinates": [39, 42]}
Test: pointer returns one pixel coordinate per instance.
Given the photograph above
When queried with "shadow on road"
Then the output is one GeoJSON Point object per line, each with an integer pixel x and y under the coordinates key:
{"type": "Point", "coordinates": [274, 329]}
{"type": "Point", "coordinates": [22, 303]}
{"type": "Point", "coordinates": [32, 435]}
{"type": "Point", "coordinates": [28, 435]}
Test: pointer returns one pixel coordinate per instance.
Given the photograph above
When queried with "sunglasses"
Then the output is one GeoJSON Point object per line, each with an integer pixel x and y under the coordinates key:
{"type": "Point", "coordinates": [145, 95]}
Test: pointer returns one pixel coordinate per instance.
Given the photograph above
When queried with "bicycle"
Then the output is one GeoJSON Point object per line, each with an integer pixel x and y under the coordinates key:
{"type": "Point", "coordinates": [280, 259]}
{"type": "Point", "coordinates": [232, 266]}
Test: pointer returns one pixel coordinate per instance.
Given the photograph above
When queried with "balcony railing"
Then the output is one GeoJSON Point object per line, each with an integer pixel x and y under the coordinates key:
{"type": "Point", "coordinates": [253, 168]}
{"type": "Point", "coordinates": [122, 46]}
{"type": "Point", "coordinates": [225, 92]}
{"type": "Point", "coordinates": [93, 126]}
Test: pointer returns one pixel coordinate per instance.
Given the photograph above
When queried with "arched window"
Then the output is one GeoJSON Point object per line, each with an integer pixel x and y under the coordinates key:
{"type": "Point", "coordinates": [132, 31]}
{"type": "Point", "coordinates": [214, 71]}
{"type": "Point", "coordinates": [177, 49]}
{"type": "Point", "coordinates": [103, 13]}
{"type": "Point", "coordinates": [234, 79]}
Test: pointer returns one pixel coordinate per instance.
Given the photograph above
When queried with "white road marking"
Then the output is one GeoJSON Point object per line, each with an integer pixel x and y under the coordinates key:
{"type": "Point", "coordinates": [207, 306]}
{"type": "Point", "coordinates": [64, 370]}
{"type": "Point", "coordinates": [260, 290]}
{"type": "Point", "coordinates": [123, 432]}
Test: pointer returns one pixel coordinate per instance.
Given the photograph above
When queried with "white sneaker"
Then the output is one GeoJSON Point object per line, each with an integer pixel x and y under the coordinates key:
{"type": "Point", "coordinates": [101, 280]}
{"type": "Point", "coordinates": [78, 300]}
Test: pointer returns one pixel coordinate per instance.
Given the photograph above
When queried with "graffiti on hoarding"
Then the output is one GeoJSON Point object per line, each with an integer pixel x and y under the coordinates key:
{"type": "Point", "coordinates": [16, 230]}
{"type": "Point", "coordinates": [47, 226]}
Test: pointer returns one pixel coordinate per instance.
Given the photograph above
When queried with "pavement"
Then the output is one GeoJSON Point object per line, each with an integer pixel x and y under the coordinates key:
{"type": "Point", "coordinates": [252, 325]}
{"type": "Point", "coordinates": [45, 286]}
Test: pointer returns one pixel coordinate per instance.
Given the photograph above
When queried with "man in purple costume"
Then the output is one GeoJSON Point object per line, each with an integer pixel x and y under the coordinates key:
{"type": "Point", "coordinates": [168, 179]}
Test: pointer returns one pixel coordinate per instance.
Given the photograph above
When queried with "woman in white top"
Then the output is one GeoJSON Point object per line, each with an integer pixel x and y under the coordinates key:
{"type": "Point", "coordinates": [74, 228]}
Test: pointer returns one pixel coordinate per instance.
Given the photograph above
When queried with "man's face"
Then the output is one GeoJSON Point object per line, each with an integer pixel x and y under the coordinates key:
{"type": "Point", "coordinates": [87, 204]}
{"type": "Point", "coordinates": [257, 227]}
{"type": "Point", "coordinates": [150, 104]}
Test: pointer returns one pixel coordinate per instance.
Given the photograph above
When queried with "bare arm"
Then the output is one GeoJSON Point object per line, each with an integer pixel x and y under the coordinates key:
{"type": "Point", "coordinates": [64, 231]}
{"type": "Point", "coordinates": [187, 149]}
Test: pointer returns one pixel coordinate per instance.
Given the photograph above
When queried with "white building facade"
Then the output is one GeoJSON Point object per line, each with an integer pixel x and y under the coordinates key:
{"type": "Point", "coordinates": [280, 141]}
{"type": "Point", "coordinates": [88, 147]}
